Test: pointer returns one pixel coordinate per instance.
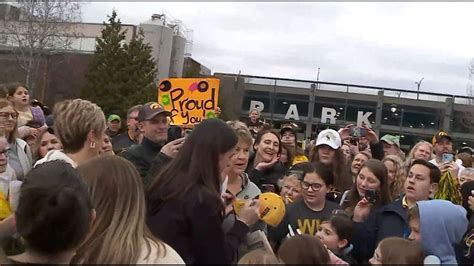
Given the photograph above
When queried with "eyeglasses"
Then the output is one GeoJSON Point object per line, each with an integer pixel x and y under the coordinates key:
{"type": "Point", "coordinates": [315, 186]}
{"type": "Point", "coordinates": [5, 115]}
{"type": "Point", "coordinates": [4, 152]}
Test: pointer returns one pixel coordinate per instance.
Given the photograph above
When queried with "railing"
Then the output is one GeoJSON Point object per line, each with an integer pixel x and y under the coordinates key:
{"type": "Point", "coordinates": [352, 88]}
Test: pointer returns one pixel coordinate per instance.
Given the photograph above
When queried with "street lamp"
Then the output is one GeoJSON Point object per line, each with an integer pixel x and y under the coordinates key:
{"type": "Point", "coordinates": [418, 84]}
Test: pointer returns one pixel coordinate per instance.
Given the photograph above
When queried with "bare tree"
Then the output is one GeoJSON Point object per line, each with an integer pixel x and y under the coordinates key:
{"type": "Point", "coordinates": [470, 89]}
{"type": "Point", "coordinates": [38, 28]}
{"type": "Point", "coordinates": [467, 119]}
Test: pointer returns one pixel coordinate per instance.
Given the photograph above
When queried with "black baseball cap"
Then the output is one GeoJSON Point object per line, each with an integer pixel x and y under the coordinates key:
{"type": "Point", "coordinates": [439, 136]}
{"type": "Point", "coordinates": [149, 110]}
{"type": "Point", "coordinates": [288, 127]}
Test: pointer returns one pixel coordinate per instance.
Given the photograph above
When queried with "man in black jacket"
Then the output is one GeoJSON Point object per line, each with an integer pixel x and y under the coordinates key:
{"type": "Point", "coordinates": [392, 219]}
{"type": "Point", "coordinates": [153, 123]}
{"type": "Point", "coordinates": [132, 136]}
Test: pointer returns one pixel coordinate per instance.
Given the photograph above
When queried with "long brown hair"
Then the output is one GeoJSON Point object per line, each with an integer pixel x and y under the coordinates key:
{"type": "Point", "coordinates": [399, 251]}
{"type": "Point", "coordinates": [119, 232]}
{"type": "Point", "coordinates": [290, 154]}
{"type": "Point", "coordinates": [342, 177]}
{"type": "Point", "coordinates": [303, 249]}
{"type": "Point", "coordinates": [196, 166]}
{"type": "Point", "coordinates": [263, 132]}
{"type": "Point", "coordinates": [380, 171]}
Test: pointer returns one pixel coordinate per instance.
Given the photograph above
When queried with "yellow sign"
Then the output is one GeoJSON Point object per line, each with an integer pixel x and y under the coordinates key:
{"type": "Point", "coordinates": [190, 100]}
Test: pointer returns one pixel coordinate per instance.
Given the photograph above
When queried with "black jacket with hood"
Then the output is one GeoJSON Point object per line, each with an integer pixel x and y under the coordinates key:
{"type": "Point", "coordinates": [390, 220]}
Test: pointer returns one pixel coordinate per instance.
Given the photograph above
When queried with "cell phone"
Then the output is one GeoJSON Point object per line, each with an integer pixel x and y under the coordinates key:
{"type": "Point", "coordinates": [448, 157]}
{"type": "Point", "coordinates": [187, 132]}
{"type": "Point", "coordinates": [358, 132]}
{"type": "Point", "coordinates": [174, 132]}
{"type": "Point", "coordinates": [353, 141]}
{"type": "Point", "coordinates": [268, 188]}
{"type": "Point", "coordinates": [371, 196]}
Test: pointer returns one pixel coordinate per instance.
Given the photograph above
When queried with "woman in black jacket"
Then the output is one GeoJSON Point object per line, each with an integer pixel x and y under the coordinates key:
{"type": "Point", "coordinates": [184, 204]}
{"type": "Point", "coordinates": [264, 167]}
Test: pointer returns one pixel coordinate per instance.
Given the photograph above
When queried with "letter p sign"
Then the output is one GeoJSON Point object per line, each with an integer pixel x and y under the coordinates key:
{"type": "Point", "coordinates": [257, 105]}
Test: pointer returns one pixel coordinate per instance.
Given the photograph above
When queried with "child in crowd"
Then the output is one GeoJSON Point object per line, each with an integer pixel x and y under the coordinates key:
{"type": "Point", "coordinates": [291, 187]}
{"type": "Point", "coordinates": [336, 234]}
{"type": "Point", "coordinates": [45, 142]}
{"type": "Point", "coordinates": [439, 226]}
{"type": "Point", "coordinates": [306, 249]}
{"type": "Point", "coordinates": [305, 215]}
{"type": "Point", "coordinates": [303, 249]}
{"type": "Point", "coordinates": [19, 95]}
{"type": "Point", "coordinates": [54, 214]}
{"type": "Point", "coordinates": [398, 251]}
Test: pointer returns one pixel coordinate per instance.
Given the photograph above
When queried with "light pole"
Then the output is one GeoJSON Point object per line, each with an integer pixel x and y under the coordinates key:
{"type": "Point", "coordinates": [418, 83]}
{"type": "Point", "coordinates": [317, 78]}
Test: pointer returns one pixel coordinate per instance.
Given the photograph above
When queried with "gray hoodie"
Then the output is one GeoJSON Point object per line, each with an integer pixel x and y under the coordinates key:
{"type": "Point", "coordinates": [442, 225]}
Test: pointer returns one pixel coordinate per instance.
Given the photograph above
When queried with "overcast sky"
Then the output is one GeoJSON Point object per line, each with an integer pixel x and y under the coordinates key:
{"type": "Point", "coordinates": [377, 44]}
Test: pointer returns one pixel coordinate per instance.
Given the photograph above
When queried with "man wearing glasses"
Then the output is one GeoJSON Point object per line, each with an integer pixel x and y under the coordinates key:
{"type": "Point", "coordinates": [132, 136]}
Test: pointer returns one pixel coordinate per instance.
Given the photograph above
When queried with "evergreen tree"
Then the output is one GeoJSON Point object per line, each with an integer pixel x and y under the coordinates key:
{"type": "Point", "coordinates": [142, 70]}
{"type": "Point", "coordinates": [120, 75]}
{"type": "Point", "coordinates": [106, 72]}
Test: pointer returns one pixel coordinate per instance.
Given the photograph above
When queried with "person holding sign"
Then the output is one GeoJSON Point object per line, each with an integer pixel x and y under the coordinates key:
{"type": "Point", "coordinates": [153, 123]}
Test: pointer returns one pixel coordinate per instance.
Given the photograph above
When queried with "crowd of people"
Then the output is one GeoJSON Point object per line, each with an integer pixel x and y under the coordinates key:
{"type": "Point", "coordinates": [76, 189]}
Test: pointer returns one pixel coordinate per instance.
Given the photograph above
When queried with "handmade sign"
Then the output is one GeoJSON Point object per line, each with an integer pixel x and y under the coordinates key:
{"type": "Point", "coordinates": [190, 100]}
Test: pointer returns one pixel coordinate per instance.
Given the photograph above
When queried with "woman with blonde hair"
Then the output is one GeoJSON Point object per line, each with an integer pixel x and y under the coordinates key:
{"type": "Point", "coordinates": [19, 154]}
{"type": "Point", "coordinates": [119, 234]}
{"type": "Point", "coordinates": [239, 183]}
{"type": "Point", "coordinates": [422, 150]}
{"type": "Point", "coordinates": [397, 174]}
{"type": "Point", "coordinates": [80, 126]}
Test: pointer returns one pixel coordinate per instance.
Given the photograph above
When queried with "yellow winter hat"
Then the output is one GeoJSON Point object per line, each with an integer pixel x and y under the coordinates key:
{"type": "Point", "coordinates": [272, 208]}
